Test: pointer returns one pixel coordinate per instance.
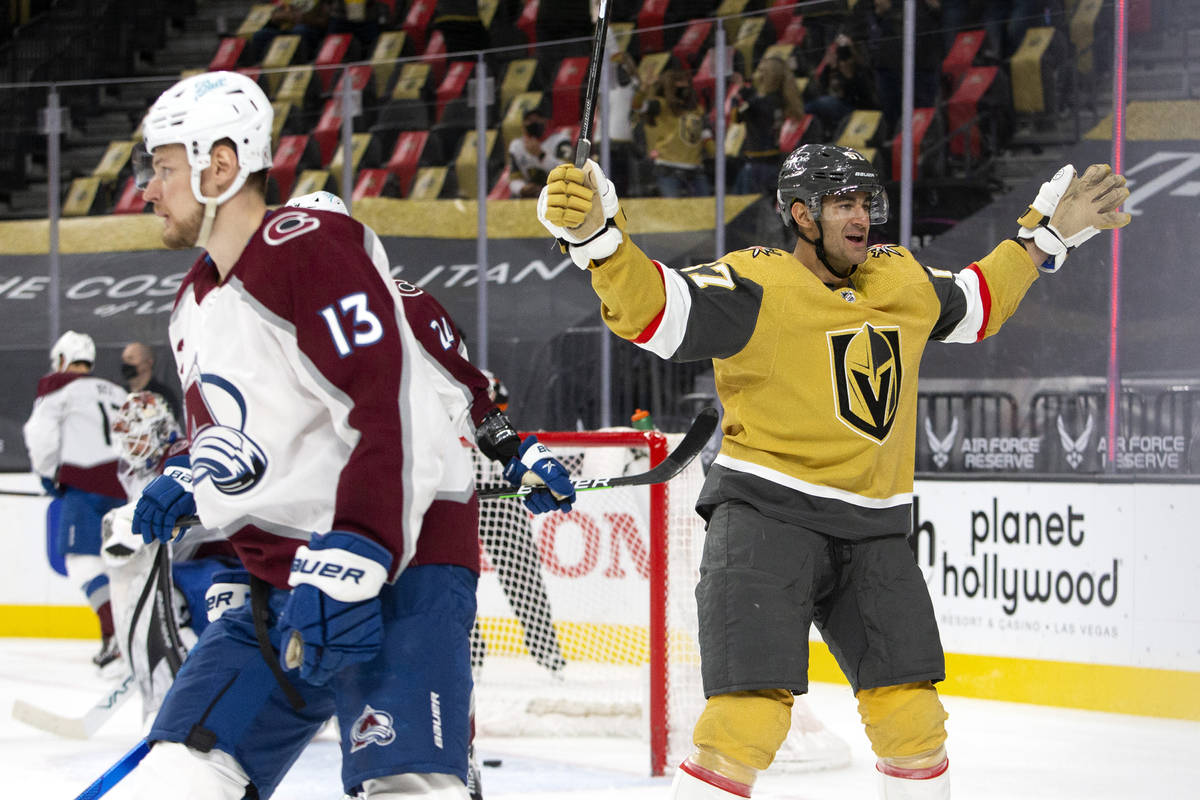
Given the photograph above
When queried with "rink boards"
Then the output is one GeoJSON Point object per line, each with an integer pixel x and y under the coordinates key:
{"type": "Point", "coordinates": [1081, 595]}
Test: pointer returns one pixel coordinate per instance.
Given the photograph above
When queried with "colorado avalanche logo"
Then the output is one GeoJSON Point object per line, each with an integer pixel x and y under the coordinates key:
{"type": "Point", "coordinates": [371, 727]}
{"type": "Point", "coordinates": [223, 453]}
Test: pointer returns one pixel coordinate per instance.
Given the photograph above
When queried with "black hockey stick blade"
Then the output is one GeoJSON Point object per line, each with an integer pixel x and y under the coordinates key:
{"type": "Point", "coordinates": [583, 146]}
{"type": "Point", "coordinates": [693, 442]}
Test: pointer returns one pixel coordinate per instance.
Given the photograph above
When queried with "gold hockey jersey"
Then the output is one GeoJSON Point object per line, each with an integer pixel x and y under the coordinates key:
{"type": "Point", "coordinates": [819, 386]}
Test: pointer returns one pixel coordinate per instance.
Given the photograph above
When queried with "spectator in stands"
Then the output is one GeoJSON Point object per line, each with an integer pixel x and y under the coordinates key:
{"type": "Point", "coordinates": [461, 26]}
{"type": "Point", "coordinates": [530, 158]}
{"type": "Point", "coordinates": [308, 19]}
{"type": "Point", "coordinates": [137, 373]}
{"type": "Point", "coordinates": [677, 136]}
{"type": "Point", "coordinates": [879, 25]}
{"type": "Point", "coordinates": [844, 85]}
{"type": "Point", "coordinates": [623, 148]}
{"type": "Point", "coordinates": [763, 105]}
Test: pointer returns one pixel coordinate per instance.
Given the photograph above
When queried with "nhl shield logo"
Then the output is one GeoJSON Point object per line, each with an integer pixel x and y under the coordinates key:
{"type": "Point", "coordinates": [371, 727]}
{"type": "Point", "coordinates": [867, 375]}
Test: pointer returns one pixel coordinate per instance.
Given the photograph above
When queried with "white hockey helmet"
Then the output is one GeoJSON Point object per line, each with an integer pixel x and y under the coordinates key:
{"type": "Point", "coordinates": [143, 428]}
{"type": "Point", "coordinates": [72, 347]}
{"type": "Point", "coordinates": [200, 111]}
{"type": "Point", "coordinates": [322, 201]}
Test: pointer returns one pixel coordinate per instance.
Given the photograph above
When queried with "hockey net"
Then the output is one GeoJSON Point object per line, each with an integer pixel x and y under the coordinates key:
{"type": "Point", "coordinates": [587, 620]}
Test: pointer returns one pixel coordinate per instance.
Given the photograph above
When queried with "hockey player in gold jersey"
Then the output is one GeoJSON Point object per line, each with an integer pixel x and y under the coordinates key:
{"type": "Point", "coordinates": [815, 354]}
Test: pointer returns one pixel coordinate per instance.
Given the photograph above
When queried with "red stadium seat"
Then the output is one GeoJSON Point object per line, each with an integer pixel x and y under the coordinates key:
{"type": "Point", "coordinates": [568, 87]}
{"type": "Point", "coordinates": [435, 55]}
{"type": "Point", "coordinates": [527, 24]}
{"type": "Point", "coordinates": [781, 14]}
{"type": "Point", "coordinates": [501, 191]}
{"type": "Point", "coordinates": [792, 132]}
{"type": "Point", "coordinates": [922, 118]}
{"type": "Point", "coordinates": [687, 51]}
{"type": "Point", "coordinates": [228, 55]}
{"type": "Point", "coordinates": [328, 131]}
{"type": "Point", "coordinates": [962, 109]}
{"type": "Point", "coordinates": [130, 201]}
{"type": "Point", "coordinates": [653, 14]}
{"type": "Point", "coordinates": [793, 33]}
{"type": "Point", "coordinates": [962, 55]}
{"type": "Point", "coordinates": [406, 158]}
{"type": "Point", "coordinates": [453, 85]}
{"type": "Point", "coordinates": [705, 79]}
{"type": "Point", "coordinates": [361, 77]}
{"type": "Point", "coordinates": [371, 183]}
{"type": "Point", "coordinates": [290, 157]}
{"type": "Point", "coordinates": [416, 22]}
{"type": "Point", "coordinates": [332, 52]}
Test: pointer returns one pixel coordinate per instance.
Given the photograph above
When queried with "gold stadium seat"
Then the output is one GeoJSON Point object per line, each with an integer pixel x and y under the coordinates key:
{"type": "Point", "coordinates": [730, 9]}
{"type": "Point", "coordinates": [364, 152]}
{"type": "Point", "coordinates": [83, 197]}
{"type": "Point", "coordinates": [861, 130]}
{"type": "Point", "coordinates": [468, 158]}
{"type": "Point", "coordinates": [429, 183]}
{"type": "Point", "coordinates": [298, 88]}
{"type": "Point", "coordinates": [518, 78]}
{"type": "Point", "coordinates": [514, 117]}
{"type": "Point", "coordinates": [749, 41]}
{"type": "Point", "coordinates": [312, 180]}
{"type": "Point", "coordinates": [115, 158]}
{"type": "Point", "coordinates": [414, 82]}
{"type": "Point", "coordinates": [388, 48]}
{"type": "Point", "coordinates": [735, 139]}
{"type": "Point", "coordinates": [258, 16]}
{"type": "Point", "coordinates": [1083, 33]}
{"type": "Point", "coordinates": [279, 55]}
{"type": "Point", "coordinates": [1035, 69]}
{"type": "Point", "coordinates": [651, 66]}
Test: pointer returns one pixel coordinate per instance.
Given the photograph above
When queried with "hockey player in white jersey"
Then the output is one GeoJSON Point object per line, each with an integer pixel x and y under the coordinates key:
{"type": "Point", "coordinates": [320, 448]}
{"type": "Point", "coordinates": [67, 436]}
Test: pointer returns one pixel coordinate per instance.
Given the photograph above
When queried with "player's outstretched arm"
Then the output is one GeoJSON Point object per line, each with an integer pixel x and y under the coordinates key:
{"type": "Point", "coordinates": [1070, 209]}
{"type": "Point", "coordinates": [580, 208]}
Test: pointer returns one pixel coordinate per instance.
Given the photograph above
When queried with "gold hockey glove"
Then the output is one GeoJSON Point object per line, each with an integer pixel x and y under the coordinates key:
{"type": "Point", "coordinates": [1070, 209]}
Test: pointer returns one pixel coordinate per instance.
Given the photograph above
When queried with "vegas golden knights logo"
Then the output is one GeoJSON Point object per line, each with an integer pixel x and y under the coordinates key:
{"type": "Point", "coordinates": [866, 374]}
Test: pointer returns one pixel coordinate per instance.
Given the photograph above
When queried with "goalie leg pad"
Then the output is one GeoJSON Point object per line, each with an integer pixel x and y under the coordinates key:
{"type": "Point", "coordinates": [903, 721]}
{"type": "Point", "coordinates": [747, 727]}
{"type": "Point", "coordinates": [176, 771]}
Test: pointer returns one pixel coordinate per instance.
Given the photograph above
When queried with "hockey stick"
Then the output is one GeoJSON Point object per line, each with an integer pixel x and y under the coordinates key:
{"type": "Point", "coordinates": [693, 442]}
{"type": "Point", "coordinates": [113, 775]}
{"type": "Point", "coordinates": [19, 493]}
{"type": "Point", "coordinates": [583, 146]}
{"type": "Point", "coordinates": [76, 727]}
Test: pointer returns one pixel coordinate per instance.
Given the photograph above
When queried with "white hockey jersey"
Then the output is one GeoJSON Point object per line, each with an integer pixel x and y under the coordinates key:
{"type": "Point", "coordinates": [308, 403]}
{"type": "Point", "coordinates": [68, 433]}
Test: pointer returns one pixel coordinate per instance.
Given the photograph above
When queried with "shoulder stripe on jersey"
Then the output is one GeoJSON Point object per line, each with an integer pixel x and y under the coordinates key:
{"type": "Point", "coordinates": [974, 322]}
{"type": "Point", "coordinates": [665, 333]}
{"type": "Point", "coordinates": [828, 492]}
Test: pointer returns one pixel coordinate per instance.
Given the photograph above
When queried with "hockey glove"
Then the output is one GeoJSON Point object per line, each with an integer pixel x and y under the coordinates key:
{"type": "Point", "coordinates": [536, 466]}
{"type": "Point", "coordinates": [585, 220]}
{"type": "Point", "coordinates": [230, 589]}
{"type": "Point", "coordinates": [51, 488]}
{"type": "Point", "coordinates": [1071, 209]}
{"type": "Point", "coordinates": [334, 607]}
{"type": "Point", "coordinates": [164, 500]}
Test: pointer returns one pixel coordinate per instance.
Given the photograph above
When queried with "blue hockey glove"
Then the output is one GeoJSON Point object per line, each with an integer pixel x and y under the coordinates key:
{"type": "Point", "coordinates": [51, 488]}
{"type": "Point", "coordinates": [164, 500]}
{"type": "Point", "coordinates": [334, 607]}
{"type": "Point", "coordinates": [536, 466]}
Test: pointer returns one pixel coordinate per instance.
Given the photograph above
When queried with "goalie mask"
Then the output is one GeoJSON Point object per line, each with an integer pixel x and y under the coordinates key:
{"type": "Point", "coordinates": [812, 171]}
{"type": "Point", "coordinates": [198, 112]}
{"type": "Point", "coordinates": [72, 347]}
{"type": "Point", "coordinates": [143, 429]}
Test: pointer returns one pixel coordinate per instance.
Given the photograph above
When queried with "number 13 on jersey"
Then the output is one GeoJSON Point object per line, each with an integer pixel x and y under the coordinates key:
{"type": "Point", "coordinates": [351, 323]}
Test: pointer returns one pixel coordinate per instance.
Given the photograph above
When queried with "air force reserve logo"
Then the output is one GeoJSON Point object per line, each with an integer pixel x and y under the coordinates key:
{"type": "Point", "coordinates": [221, 451]}
{"type": "Point", "coordinates": [866, 374]}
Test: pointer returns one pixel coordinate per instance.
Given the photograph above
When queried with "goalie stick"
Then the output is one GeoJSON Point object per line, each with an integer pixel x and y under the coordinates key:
{"type": "Point", "coordinates": [76, 727]}
{"type": "Point", "coordinates": [693, 442]}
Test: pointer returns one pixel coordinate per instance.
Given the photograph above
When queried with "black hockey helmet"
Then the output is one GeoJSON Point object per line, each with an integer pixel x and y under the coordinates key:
{"type": "Point", "coordinates": [812, 171]}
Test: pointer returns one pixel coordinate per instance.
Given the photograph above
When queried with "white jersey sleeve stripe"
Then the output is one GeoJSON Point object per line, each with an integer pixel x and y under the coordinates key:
{"type": "Point", "coordinates": [969, 327]}
{"type": "Point", "coordinates": [672, 325]}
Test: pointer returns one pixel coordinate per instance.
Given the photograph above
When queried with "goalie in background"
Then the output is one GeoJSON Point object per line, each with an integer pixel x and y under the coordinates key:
{"type": "Point", "coordinates": [809, 503]}
{"type": "Point", "coordinates": [206, 578]}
